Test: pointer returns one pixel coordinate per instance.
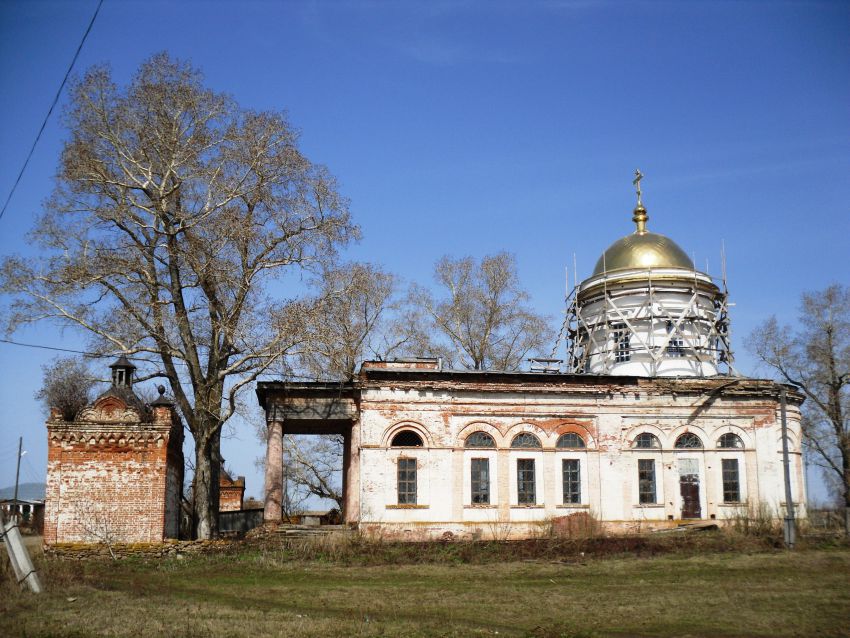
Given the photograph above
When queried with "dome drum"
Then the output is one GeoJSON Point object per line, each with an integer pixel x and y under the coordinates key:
{"type": "Point", "coordinates": [646, 311]}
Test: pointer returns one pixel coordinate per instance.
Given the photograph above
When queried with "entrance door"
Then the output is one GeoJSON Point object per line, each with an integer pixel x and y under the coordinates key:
{"type": "Point", "coordinates": [689, 488]}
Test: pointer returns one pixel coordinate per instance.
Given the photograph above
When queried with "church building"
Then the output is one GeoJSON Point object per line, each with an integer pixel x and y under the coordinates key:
{"type": "Point", "coordinates": [645, 425]}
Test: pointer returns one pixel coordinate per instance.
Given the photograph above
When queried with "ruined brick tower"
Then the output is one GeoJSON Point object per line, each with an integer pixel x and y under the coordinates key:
{"type": "Point", "coordinates": [115, 473]}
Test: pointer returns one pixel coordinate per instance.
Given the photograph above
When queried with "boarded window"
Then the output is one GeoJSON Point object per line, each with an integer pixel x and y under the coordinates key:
{"type": "Point", "coordinates": [480, 481]}
{"type": "Point", "coordinates": [646, 481]}
{"type": "Point", "coordinates": [526, 440]}
{"type": "Point", "coordinates": [407, 481]}
{"type": "Point", "coordinates": [526, 494]}
{"type": "Point", "coordinates": [570, 440]}
{"type": "Point", "coordinates": [479, 439]}
{"type": "Point", "coordinates": [731, 481]}
{"type": "Point", "coordinates": [572, 480]}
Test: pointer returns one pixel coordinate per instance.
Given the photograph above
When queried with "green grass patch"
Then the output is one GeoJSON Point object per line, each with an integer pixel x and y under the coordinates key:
{"type": "Point", "coordinates": [265, 592]}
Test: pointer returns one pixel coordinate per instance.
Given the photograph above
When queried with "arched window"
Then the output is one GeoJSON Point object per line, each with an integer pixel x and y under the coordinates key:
{"type": "Point", "coordinates": [479, 439]}
{"type": "Point", "coordinates": [526, 440]}
{"type": "Point", "coordinates": [688, 441]}
{"type": "Point", "coordinates": [570, 440]}
{"type": "Point", "coordinates": [730, 440]}
{"type": "Point", "coordinates": [647, 441]}
{"type": "Point", "coordinates": [407, 438]}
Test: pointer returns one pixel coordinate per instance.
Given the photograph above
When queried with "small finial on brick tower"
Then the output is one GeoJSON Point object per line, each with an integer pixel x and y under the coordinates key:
{"type": "Point", "coordinates": [161, 389]}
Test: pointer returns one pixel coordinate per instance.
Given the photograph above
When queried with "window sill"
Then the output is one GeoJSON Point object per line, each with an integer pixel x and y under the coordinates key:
{"type": "Point", "coordinates": [407, 507]}
{"type": "Point", "coordinates": [736, 504]}
{"type": "Point", "coordinates": [480, 506]}
{"type": "Point", "coordinates": [649, 505]}
{"type": "Point", "coordinates": [573, 506]}
{"type": "Point", "coordinates": [527, 507]}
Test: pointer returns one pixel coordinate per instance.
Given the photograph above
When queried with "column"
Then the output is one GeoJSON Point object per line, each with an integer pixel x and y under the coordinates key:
{"type": "Point", "coordinates": [273, 511]}
{"type": "Point", "coordinates": [351, 474]}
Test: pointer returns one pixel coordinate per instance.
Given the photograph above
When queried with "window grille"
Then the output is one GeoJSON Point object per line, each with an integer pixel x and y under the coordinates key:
{"type": "Point", "coordinates": [480, 481]}
{"type": "Point", "coordinates": [526, 494]}
{"type": "Point", "coordinates": [406, 438]}
{"type": "Point", "coordinates": [731, 481]}
{"type": "Point", "coordinates": [525, 440]}
{"type": "Point", "coordinates": [479, 439]}
{"type": "Point", "coordinates": [646, 441]}
{"type": "Point", "coordinates": [570, 440]}
{"type": "Point", "coordinates": [646, 481]}
{"type": "Point", "coordinates": [688, 440]}
{"type": "Point", "coordinates": [572, 481]}
{"type": "Point", "coordinates": [407, 481]}
{"type": "Point", "coordinates": [622, 343]}
{"type": "Point", "coordinates": [730, 440]}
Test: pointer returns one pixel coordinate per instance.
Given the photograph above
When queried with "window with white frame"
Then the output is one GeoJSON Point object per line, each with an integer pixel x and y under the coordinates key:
{"type": "Point", "coordinates": [730, 440]}
{"type": "Point", "coordinates": [406, 481]}
{"type": "Point", "coordinates": [480, 476]}
{"type": "Point", "coordinates": [479, 439]}
{"type": "Point", "coordinates": [570, 440]}
{"type": "Point", "coordinates": [647, 441]}
{"type": "Point", "coordinates": [525, 481]}
{"type": "Point", "coordinates": [571, 475]}
{"type": "Point", "coordinates": [646, 482]}
{"type": "Point", "coordinates": [731, 481]}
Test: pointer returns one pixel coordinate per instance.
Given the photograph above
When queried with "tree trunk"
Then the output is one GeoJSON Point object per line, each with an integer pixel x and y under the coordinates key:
{"type": "Point", "coordinates": [205, 490]}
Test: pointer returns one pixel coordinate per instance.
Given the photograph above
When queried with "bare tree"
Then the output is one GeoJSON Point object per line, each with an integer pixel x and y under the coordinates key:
{"type": "Point", "coordinates": [352, 317]}
{"type": "Point", "coordinates": [67, 385]}
{"type": "Point", "coordinates": [816, 357]}
{"type": "Point", "coordinates": [356, 314]}
{"type": "Point", "coordinates": [483, 315]}
{"type": "Point", "coordinates": [173, 210]}
{"type": "Point", "coordinates": [313, 466]}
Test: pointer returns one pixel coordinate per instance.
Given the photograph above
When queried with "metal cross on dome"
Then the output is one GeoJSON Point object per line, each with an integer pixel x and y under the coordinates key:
{"type": "Point", "coordinates": [636, 182]}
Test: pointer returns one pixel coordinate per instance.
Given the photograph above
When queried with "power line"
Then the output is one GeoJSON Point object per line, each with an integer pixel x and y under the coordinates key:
{"type": "Point", "coordinates": [91, 355]}
{"type": "Point", "coordinates": [42, 347]}
{"type": "Point", "coordinates": [50, 110]}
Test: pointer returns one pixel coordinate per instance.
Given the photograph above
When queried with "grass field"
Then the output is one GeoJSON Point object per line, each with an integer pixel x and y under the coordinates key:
{"type": "Point", "coordinates": [255, 592]}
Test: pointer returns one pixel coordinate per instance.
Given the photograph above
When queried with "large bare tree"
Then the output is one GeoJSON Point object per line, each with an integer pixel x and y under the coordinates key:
{"type": "Point", "coordinates": [815, 356]}
{"type": "Point", "coordinates": [174, 208]}
{"type": "Point", "coordinates": [482, 314]}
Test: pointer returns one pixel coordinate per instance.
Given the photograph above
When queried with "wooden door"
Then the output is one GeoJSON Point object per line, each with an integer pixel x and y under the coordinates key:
{"type": "Point", "coordinates": [689, 489]}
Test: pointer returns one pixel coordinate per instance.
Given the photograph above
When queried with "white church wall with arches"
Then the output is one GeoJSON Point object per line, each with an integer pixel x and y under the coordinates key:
{"type": "Point", "coordinates": [646, 424]}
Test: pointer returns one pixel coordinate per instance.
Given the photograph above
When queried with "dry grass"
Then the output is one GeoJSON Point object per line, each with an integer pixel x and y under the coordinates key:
{"type": "Point", "coordinates": [264, 592]}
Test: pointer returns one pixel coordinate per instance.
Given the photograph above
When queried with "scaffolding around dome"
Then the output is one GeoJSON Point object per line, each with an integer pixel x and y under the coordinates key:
{"type": "Point", "coordinates": [647, 311]}
{"type": "Point", "coordinates": [649, 322]}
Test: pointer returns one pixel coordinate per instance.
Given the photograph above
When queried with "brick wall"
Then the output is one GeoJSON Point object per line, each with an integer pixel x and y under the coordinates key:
{"type": "Point", "coordinates": [230, 493]}
{"type": "Point", "coordinates": [113, 475]}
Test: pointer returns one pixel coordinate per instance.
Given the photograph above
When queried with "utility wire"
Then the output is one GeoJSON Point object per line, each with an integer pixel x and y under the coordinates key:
{"type": "Point", "coordinates": [50, 110]}
{"type": "Point", "coordinates": [91, 355]}
{"type": "Point", "coordinates": [42, 347]}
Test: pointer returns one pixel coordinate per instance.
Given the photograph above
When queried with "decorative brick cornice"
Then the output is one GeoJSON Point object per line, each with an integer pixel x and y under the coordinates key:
{"type": "Point", "coordinates": [110, 434]}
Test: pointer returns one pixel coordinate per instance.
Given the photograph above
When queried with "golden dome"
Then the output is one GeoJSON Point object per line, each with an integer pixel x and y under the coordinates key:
{"type": "Point", "coordinates": [642, 249]}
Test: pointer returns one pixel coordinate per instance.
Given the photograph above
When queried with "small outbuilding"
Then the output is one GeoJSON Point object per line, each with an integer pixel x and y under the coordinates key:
{"type": "Point", "coordinates": [115, 473]}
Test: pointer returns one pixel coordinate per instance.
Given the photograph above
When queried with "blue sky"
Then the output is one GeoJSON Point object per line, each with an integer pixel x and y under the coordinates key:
{"type": "Point", "coordinates": [472, 127]}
